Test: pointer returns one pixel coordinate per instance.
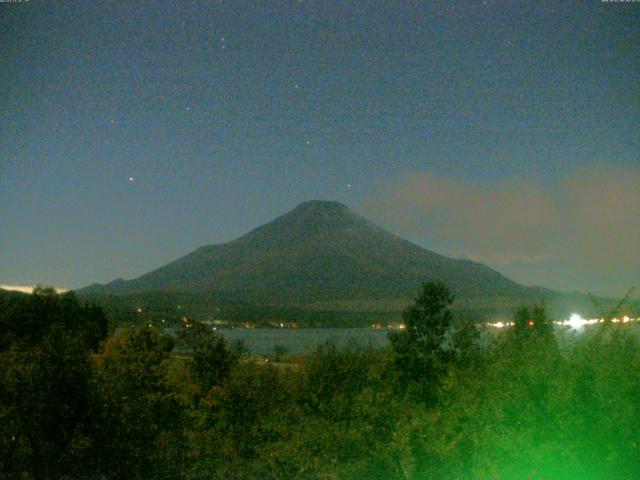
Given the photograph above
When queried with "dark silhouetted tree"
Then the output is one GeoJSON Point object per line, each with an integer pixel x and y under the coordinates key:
{"type": "Point", "coordinates": [465, 340]}
{"type": "Point", "coordinates": [279, 351]}
{"type": "Point", "coordinates": [137, 415]}
{"type": "Point", "coordinates": [212, 358]}
{"type": "Point", "coordinates": [240, 347]}
{"type": "Point", "coordinates": [45, 428]}
{"type": "Point", "coordinates": [542, 324]}
{"type": "Point", "coordinates": [420, 351]}
{"type": "Point", "coordinates": [521, 319]}
{"type": "Point", "coordinates": [29, 318]}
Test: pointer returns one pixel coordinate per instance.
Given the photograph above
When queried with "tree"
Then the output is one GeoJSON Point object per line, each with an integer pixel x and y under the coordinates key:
{"type": "Point", "coordinates": [45, 340]}
{"type": "Point", "coordinates": [28, 319]}
{"type": "Point", "coordinates": [136, 414]}
{"type": "Point", "coordinates": [240, 347]}
{"type": "Point", "coordinates": [542, 324]}
{"type": "Point", "coordinates": [279, 351]}
{"type": "Point", "coordinates": [212, 359]}
{"type": "Point", "coordinates": [420, 351]}
{"type": "Point", "coordinates": [465, 341]}
{"type": "Point", "coordinates": [522, 318]}
{"type": "Point", "coordinates": [532, 321]}
{"type": "Point", "coordinates": [333, 377]}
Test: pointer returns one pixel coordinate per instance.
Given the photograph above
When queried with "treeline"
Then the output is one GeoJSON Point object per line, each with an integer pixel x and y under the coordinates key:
{"type": "Point", "coordinates": [172, 306]}
{"type": "Point", "coordinates": [446, 400]}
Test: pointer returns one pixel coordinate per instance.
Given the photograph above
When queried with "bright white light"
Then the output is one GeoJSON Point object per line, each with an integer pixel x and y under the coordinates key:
{"type": "Point", "coordinates": [576, 321]}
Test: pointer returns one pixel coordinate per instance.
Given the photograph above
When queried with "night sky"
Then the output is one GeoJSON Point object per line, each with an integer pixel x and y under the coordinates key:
{"type": "Point", "coordinates": [505, 132]}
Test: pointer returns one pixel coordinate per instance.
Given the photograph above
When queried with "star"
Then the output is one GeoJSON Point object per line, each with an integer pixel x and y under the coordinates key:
{"type": "Point", "coordinates": [131, 179]}
{"type": "Point", "coordinates": [188, 109]}
{"type": "Point", "coordinates": [308, 142]}
{"type": "Point", "coordinates": [348, 185]}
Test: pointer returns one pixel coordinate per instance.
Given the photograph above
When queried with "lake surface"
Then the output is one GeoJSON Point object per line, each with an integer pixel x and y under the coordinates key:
{"type": "Point", "coordinates": [301, 340]}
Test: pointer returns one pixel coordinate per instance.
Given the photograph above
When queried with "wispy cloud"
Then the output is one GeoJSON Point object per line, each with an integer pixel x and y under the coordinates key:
{"type": "Point", "coordinates": [26, 288]}
{"type": "Point", "coordinates": [580, 231]}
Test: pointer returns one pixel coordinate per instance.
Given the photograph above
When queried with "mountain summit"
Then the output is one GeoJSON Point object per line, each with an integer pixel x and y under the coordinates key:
{"type": "Point", "coordinates": [321, 251]}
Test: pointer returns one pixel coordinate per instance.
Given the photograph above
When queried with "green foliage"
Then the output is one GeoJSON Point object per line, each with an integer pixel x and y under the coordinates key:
{"type": "Point", "coordinates": [68, 414]}
{"type": "Point", "coordinates": [28, 319]}
{"type": "Point", "coordinates": [333, 377]}
{"type": "Point", "coordinates": [532, 322]}
{"type": "Point", "coordinates": [542, 324]}
{"type": "Point", "coordinates": [137, 416]}
{"type": "Point", "coordinates": [420, 351]}
{"type": "Point", "coordinates": [443, 401]}
{"type": "Point", "coordinates": [526, 410]}
{"type": "Point", "coordinates": [212, 359]}
{"type": "Point", "coordinates": [239, 347]}
{"type": "Point", "coordinates": [45, 340]}
{"type": "Point", "coordinates": [44, 407]}
{"type": "Point", "coordinates": [521, 319]}
{"type": "Point", "coordinates": [279, 351]}
{"type": "Point", "coordinates": [465, 342]}
{"type": "Point", "coordinates": [167, 343]}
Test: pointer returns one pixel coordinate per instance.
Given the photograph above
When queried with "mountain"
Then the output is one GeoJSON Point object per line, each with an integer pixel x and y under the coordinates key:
{"type": "Point", "coordinates": [322, 253]}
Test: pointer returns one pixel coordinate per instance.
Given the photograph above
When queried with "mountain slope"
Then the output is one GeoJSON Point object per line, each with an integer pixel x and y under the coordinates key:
{"type": "Point", "coordinates": [319, 251]}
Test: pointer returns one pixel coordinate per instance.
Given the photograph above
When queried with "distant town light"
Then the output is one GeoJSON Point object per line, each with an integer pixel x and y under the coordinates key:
{"type": "Point", "coordinates": [576, 321]}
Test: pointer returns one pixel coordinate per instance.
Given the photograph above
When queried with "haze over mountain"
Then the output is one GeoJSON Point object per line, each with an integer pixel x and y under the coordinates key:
{"type": "Point", "coordinates": [321, 251]}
